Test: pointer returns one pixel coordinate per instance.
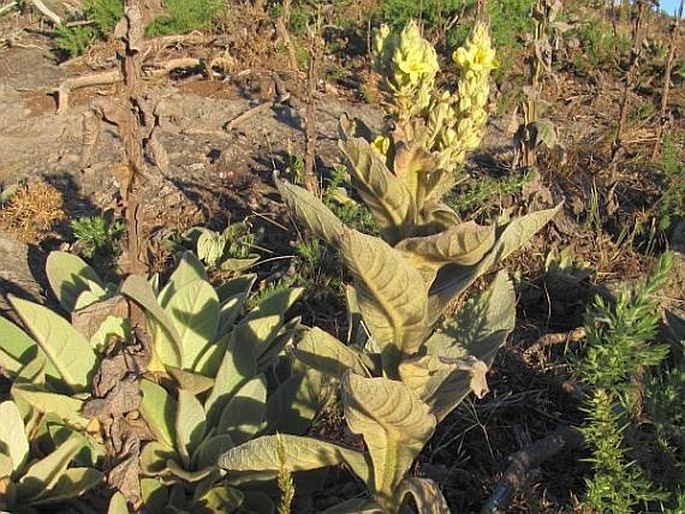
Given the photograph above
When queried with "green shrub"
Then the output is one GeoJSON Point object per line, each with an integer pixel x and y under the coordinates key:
{"type": "Point", "coordinates": [185, 16]}
{"type": "Point", "coordinates": [618, 357]}
{"type": "Point", "coordinates": [103, 15]}
{"type": "Point", "coordinates": [97, 234]}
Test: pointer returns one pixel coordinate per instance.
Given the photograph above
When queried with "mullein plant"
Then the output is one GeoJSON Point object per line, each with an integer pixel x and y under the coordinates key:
{"type": "Point", "coordinates": [400, 372]}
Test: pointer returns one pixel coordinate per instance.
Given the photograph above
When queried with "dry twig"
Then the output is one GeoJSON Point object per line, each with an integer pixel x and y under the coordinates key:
{"type": "Point", "coordinates": [521, 462]}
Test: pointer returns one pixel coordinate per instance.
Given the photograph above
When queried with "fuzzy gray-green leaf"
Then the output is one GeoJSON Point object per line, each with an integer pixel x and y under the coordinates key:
{"type": "Point", "coordinates": [385, 194]}
{"type": "Point", "coordinates": [394, 422]}
{"type": "Point", "coordinates": [465, 244]}
{"type": "Point", "coordinates": [244, 412]}
{"type": "Point", "coordinates": [67, 350]}
{"type": "Point", "coordinates": [190, 424]}
{"type": "Point", "coordinates": [159, 409]}
{"type": "Point", "coordinates": [169, 344]}
{"type": "Point", "coordinates": [302, 454]}
{"type": "Point", "coordinates": [13, 441]}
{"type": "Point", "coordinates": [68, 276]}
{"type": "Point", "coordinates": [391, 295]}
{"type": "Point", "coordinates": [194, 309]}
{"type": "Point", "coordinates": [453, 279]}
{"type": "Point", "coordinates": [311, 211]}
{"type": "Point", "coordinates": [327, 354]}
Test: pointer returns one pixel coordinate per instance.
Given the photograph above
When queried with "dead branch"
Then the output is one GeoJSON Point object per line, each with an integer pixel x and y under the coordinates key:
{"type": "Point", "coordinates": [672, 43]}
{"type": "Point", "coordinates": [575, 335]}
{"type": "Point", "coordinates": [7, 7]}
{"type": "Point", "coordinates": [97, 79]}
{"type": "Point", "coordinates": [529, 458]}
{"type": "Point", "coordinates": [632, 75]}
{"type": "Point", "coordinates": [45, 11]}
{"type": "Point", "coordinates": [114, 76]}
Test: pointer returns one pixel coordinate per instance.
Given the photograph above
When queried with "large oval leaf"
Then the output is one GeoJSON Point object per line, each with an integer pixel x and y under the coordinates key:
{"type": "Point", "coordinates": [12, 436]}
{"type": "Point", "coordinates": [394, 422]}
{"type": "Point", "coordinates": [43, 474]}
{"type": "Point", "coordinates": [188, 270]}
{"type": "Point", "coordinates": [301, 454]}
{"type": "Point", "coordinates": [167, 345]}
{"type": "Point", "coordinates": [244, 412]}
{"type": "Point", "coordinates": [159, 409]}
{"type": "Point", "coordinates": [386, 195]}
{"type": "Point", "coordinates": [68, 276]}
{"type": "Point", "coordinates": [454, 279]}
{"type": "Point", "coordinates": [65, 347]}
{"type": "Point", "coordinates": [310, 210]}
{"type": "Point", "coordinates": [194, 309]}
{"type": "Point", "coordinates": [16, 343]}
{"type": "Point", "coordinates": [465, 244]}
{"type": "Point", "coordinates": [327, 354]}
{"type": "Point", "coordinates": [67, 408]}
{"type": "Point", "coordinates": [190, 425]}
{"type": "Point", "coordinates": [391, 295]}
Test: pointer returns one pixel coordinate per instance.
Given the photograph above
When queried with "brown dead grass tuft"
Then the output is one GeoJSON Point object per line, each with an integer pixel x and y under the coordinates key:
{"type": "Point", "coordinates": [32, 212]}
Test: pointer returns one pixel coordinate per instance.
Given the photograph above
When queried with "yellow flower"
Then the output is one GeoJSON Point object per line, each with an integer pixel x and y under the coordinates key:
{"type": "Point", "coordinates": [381, 144]}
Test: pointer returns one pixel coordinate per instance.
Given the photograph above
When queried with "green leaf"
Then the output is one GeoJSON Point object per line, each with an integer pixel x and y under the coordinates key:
{"type": "Point", "coordinates": [154, 458]}
{"type": "Point", "coordinates": [16, 343]}
{"type": "Point", "coordinates": [193, 382]}
{"type": "Point", "coordinates": [236, 286]}
{"type": "Point", "coordinates": [236, 265]}
{"type": "Point", "coordinates": [465, 244]}
{"type": "Point", "coordinates": [66, 408]}
{"type": "Point", "coordinates": [244, 412]}
{"type": "Point", "coordinates": [209, 450]}
{"type": "Point", "coordinates": [478, 329]}
{"type": "Point", "coordinates": [237, 367]}
{"type": "Point", "coordinates": [190, 424]}
{"type": "Point", "coordinates": [168, 349]}
{"type": "Point", "coordinates": [394, 422]}
{"type": "Point", "coordinates": [194, 309]}
{"type": "Point", "coordinates": [190, 476]}
{"type": "Point", "coordinates": [294, 404]}
{"type": "Point", "coordinates": [229, 312]}
{"type": "Point", "coordinates": [159, 409]}
{"type": "Point", "coordinates": [263, 323]}
{"type": "Point", "coordinates": [9, 365]}
{"type": "Point", "coordinates": [66, 349]}
{"type": "Point", "coordinates": [188, 270]}
{"type": "Point", "coordinates": [13, 441]}
{"type": "Point", "coordinates": [155, 495]}
{"type": "Point", "coordinates": [44, 474]}
{"type": "Point", "coordinates": [117, 504]}
{"type": "Point", "coordinates": [426, 494]}
{"type": "Point", "coordinates": [113, 326]}
{"type": "Point", "coordinates": [68, 276]}
{"type": "Point", "coordinates": [480, 326]}
{"type": "Point", "coordinates": [311, 211]}
{"type": "Point", "coordinates": [70, 484]}
{"type": "Point", "coordinates": [327, 354]}
{"type": "Point", "coordinates": [302, 454]}
{"type": "Point", "coordinates": [386, 195]}
{"type": "Point", "coordinates": [391, 296]}
{"type": "Point", "coordinates": [454, 279]}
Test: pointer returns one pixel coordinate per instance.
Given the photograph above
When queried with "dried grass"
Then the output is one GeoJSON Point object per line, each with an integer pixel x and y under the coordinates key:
{"type": "Point", "coordinates": [32, 212]}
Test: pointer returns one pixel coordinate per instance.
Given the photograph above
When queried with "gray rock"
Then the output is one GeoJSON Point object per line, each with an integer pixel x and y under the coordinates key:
{"type": "Point", "coordinates": [21, 264]}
